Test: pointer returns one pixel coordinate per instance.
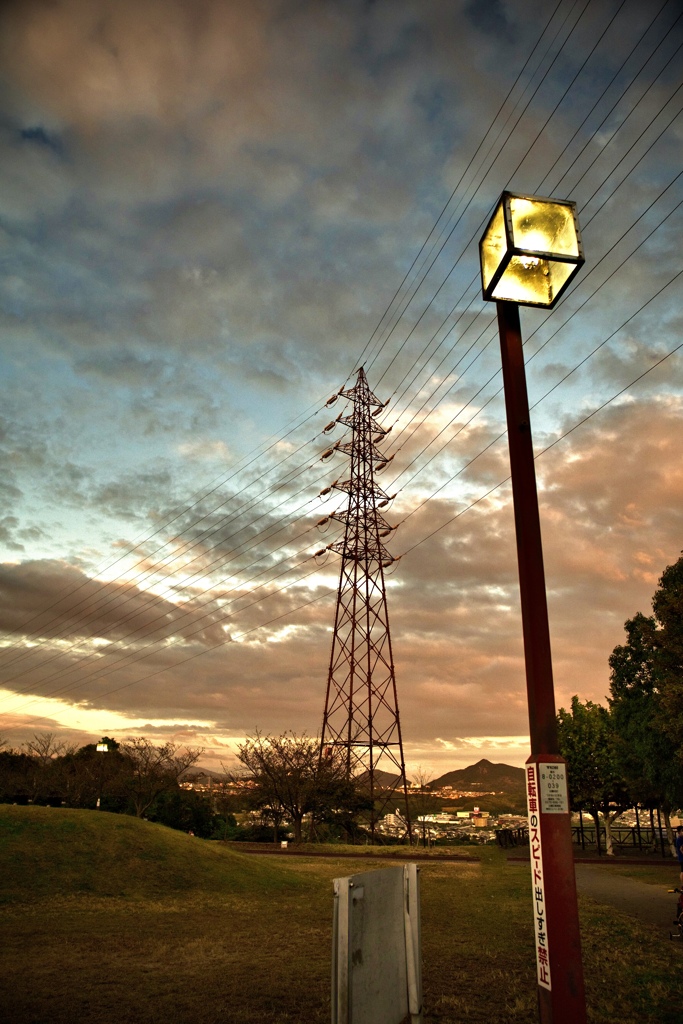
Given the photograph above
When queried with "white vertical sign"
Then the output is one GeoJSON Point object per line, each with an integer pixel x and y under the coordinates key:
{"type": "Point", "coordinates": [537, 887]}
{"type": "Point", "coordinates": [553, 788]}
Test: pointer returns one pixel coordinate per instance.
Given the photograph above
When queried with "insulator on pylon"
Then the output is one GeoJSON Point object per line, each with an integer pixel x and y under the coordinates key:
{"type": "Point", "coordinates": [319, 553]}
{"type": "Point", "coordinates": [323, 521]}
{"type": "Point", "coordinates": [385, 463]}
{"type": "Point", "coordinates": [385, 533]}
{"type": "Point", "coordinates": [330, 426]}
{"type": "Point", "coordinates": [331, 401]}
{"type": "Point", "coordinates": [325, 490]}
{"type": "Point", "coordinates": [326, 455]}
{"type": "Point", "coordinates": [389, 561]}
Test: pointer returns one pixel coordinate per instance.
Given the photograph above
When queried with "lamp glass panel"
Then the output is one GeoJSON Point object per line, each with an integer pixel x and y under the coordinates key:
{"type": "Point", "coordinates": [493, 246]}
{"type": "Point", "coordinates": [543, 226]}
{"type": "Point", "coordinates": [528, 280]}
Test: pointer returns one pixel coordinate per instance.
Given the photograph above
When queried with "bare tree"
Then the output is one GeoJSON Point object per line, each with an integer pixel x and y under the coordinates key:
{"type": "Point", "coordinates": [290, 775]}
{"type": "Point", "coordinates": [44, 751]}
{"type": "Point", "coordinates": [44, 747]}
{"type": "Point", "coordinates": [422, 800]}
{"type": "Point", "coordinates": [155, 769]}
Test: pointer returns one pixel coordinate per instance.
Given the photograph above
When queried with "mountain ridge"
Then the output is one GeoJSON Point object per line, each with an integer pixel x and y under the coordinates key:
{"type": "Point", "coordinates": [485, 775]}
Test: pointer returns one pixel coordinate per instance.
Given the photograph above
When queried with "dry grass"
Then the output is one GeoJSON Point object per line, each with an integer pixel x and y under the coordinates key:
{"type": "Point", "coordinates": [244, 940]}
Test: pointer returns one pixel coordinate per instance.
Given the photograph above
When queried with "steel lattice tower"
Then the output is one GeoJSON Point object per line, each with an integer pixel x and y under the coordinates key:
{"type": "Point", "coordinates": [361, 706]}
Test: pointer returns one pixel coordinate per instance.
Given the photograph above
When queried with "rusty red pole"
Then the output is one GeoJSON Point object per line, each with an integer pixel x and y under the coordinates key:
{"type": "Point", "coordinates": [561, 995]}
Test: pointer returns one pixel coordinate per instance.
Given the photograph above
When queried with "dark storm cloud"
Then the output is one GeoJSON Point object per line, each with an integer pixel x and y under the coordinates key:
{"type": "Point", "coordinates": [56, 601]}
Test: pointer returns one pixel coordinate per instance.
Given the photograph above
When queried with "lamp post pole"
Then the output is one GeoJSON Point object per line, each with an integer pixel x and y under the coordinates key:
{"type": "Point", "coordinates": [561, 992]}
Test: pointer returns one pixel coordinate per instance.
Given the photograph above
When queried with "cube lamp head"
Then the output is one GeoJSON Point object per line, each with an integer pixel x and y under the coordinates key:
{"type": "Point", "coordinates": [530, 250]}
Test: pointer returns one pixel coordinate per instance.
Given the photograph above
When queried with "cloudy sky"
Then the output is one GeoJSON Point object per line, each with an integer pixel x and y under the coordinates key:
{"type": "Point", "coordinates": [211, 213]}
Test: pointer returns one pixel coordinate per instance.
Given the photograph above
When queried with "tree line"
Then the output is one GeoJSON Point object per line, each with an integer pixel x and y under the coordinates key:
{"type": "Point", "coordinates": [282, 788]}
{"type": "Point", "coordinates": [135, 777]}
{"type": "Point", "coordinates": [630, 752]}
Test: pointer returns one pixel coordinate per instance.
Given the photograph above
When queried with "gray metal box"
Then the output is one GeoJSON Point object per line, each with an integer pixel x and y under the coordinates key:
{"type": "Point", "coordinates": [376, 961]}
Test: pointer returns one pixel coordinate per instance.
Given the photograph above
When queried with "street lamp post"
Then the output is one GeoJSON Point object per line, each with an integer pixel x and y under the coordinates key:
{"type": "Point", "coordinates": [101, 748]}
{"type": "Point", "coordinates": [529, 253]}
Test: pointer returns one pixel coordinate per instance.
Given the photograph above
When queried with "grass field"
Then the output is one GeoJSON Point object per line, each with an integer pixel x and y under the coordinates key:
{"type": "Point", "coordinates": [109, 918]}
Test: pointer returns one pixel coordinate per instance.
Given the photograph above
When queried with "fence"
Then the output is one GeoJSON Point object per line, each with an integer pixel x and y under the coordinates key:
{"type": "Point", "coordinates": [510, 837]}
{"type": "Point", "coordinates": [624, 838]}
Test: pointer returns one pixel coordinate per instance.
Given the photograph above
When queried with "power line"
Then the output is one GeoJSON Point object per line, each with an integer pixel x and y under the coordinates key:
{"type": "Point", "coordinates": [557, 440]}
{"type": "Point", "coordinates": [610, 173]}
{"type": "Point", "coordinates": [407, 551]}
{"type": "Point", "coordinates": [568, 374]}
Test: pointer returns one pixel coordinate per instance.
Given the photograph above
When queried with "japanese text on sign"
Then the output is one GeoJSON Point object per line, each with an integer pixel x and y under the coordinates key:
{"type": "Point", "coordinates": [537, 888]}
{"type": "Point", "coordinates": [553, 788]}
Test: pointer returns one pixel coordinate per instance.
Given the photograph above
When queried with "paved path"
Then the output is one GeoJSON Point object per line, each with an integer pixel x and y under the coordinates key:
{"type": "Point", "coordinates": [651, 904]}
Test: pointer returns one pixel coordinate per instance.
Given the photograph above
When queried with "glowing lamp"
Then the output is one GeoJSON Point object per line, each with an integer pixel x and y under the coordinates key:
{"type": "Point", "coordinates": [103, 748]}
{"type": "Point", "coordinates": [530, 250]}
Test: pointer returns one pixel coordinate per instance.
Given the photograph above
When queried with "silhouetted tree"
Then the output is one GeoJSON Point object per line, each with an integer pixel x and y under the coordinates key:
{"type": "Point", "coordinates": [646, 698]}
{"type": "Point", "coordinates": [667, 605]}
{"type": "Point", "coordinates": [290, 777]}
{"type": "Point", "coordinates": [154, 770]}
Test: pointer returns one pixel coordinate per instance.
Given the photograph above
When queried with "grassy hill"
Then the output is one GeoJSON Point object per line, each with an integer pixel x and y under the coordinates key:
{"type": "Point", "coordinates": [57, 851]}
{"type": "Point", "coordinates": [107, 917]}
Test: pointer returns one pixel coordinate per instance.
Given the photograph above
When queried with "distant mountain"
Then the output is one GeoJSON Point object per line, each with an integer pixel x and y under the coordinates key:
{"type": "Point", "coordinates": [484, 776]}
{"type": "Point", "coordinates": [194, 773]}
{"type": "Point", "coordinates": [385, 780]}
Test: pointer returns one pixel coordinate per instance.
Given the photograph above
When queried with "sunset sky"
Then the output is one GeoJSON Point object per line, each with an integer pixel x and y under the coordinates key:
{"type": "Point", "coordinates": [211, 213]}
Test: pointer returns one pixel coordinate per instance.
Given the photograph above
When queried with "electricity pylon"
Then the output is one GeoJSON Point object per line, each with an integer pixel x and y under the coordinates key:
{"type": "Point", "coordinates": [361, 706]}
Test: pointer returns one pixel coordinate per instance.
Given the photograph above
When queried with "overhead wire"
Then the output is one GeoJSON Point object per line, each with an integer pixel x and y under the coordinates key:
{"type": "Point", "coordinates": [369, 346]}
{"type": "Point", "coordinates": [211, 613]}
{"type": "Point", "coordinates": [599, 208]}
{"type": "Point", "coordinates": [566, 433]}
{"type": "Point", "coordinates": [176, 514]}
{"type": "Point", "coordinates": [497, 372]}
{"type": "Point", "coordinates": [481, 224]}
{"type": "Point", "coordinates": [511, 176]}
{"type": "Point", "coordinates": [278, 440]}
{"type": "Point", "coordinates": [610, 172]}
{"type": "Point", "coordinates": [459, 218]}
{"type": "Point", "coordinates": [332, 591]}
{"type": "Point", "coordinates": [641, 39]}
{"type": "Point", "coordinates": [151, 572]}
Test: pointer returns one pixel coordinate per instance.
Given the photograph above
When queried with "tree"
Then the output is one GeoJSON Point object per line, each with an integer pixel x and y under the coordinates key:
{"type": "Point", "coordinates": [95, 778]}
{"type": "Point", "coordinates": [667, 605]}
{"type": "Point", "coordinates": [422, 801]}
{"type": "Point", "coordinates": [596, 783]}
{"type": "Point", "coordinates": [290, 776]}
{"type": "Point", "coordinates": [646, 751]}
{"type": "Point", "coordinates": [154, 770]}
{"type": "Point", "coordinates": [185, 810]}
{"type": "Point", "coordinates": [45, 752]}
{"type": "Point", "coordinates": [646, 687]}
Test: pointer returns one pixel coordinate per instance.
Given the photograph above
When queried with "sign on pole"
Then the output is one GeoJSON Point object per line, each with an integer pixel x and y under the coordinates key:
{"type": "Point", "coordinates": [553, 888]}
{"type": "Point", "coordinates": [376, 947]}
